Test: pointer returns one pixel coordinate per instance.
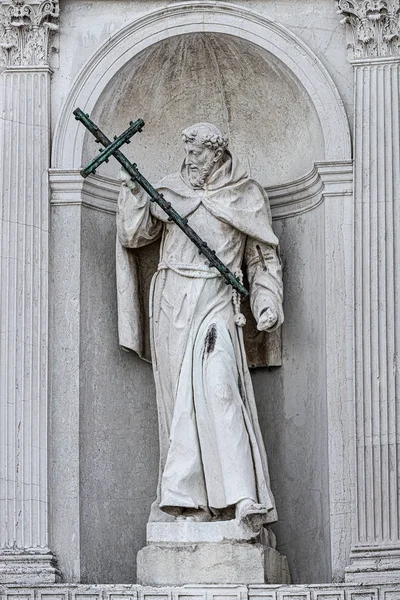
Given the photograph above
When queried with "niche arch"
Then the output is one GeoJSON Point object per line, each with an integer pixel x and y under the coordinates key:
{"type": "Point", "coordinates": [201, 17]}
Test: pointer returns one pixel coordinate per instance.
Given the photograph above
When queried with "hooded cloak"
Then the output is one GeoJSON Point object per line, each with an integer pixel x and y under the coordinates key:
{"type": "Point", "coordinates": [211, 448]}
{"type": "Point", "coordinates": [232, 197]}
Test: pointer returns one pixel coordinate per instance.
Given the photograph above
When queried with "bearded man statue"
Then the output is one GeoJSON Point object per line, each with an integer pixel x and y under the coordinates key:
{"type": "Point", "coordinates": [213, 464]}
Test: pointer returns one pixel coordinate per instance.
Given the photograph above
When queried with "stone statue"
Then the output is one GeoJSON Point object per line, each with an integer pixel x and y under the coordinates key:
{"type": "Point", "coordinates": [213, 464]}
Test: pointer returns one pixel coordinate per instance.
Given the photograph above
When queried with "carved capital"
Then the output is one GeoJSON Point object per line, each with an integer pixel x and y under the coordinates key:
{"type": "Point", "coordinates": [375, 26]}
{"type": "Point", "coordinates": [26, 32]}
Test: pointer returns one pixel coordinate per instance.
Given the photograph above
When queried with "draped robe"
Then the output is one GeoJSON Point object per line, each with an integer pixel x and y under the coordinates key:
{"type": "Point", "coordinates": [211, 448]}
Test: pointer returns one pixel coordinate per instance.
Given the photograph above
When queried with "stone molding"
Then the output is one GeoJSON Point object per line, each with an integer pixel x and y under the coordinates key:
{"type": "Point", "coordinates": [373, 564]}
{"type": "Point", "coordinates": [194, 17]}
{"type": "Point", "coordinates": [27, 31]}
{"type": "Point", "coordinates": [28, 568]}
{"type": "Point", "coordinates": [375, 26]}
{"type": "Point", "coordinates": [70, 189]}
{"type": "Point", "coordinates": [326, 179]}
{"type": "Point", "coordinates": [203, 592]}
{"type": "Point", "coordinates": [287, 200]}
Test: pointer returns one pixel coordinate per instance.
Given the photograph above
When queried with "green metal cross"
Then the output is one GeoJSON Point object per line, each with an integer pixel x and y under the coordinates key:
{"type": "Point", "coordinates": [111, 148]}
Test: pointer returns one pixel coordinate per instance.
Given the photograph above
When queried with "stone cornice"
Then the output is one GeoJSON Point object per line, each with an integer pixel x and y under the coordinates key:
{"type": "Point", "coordinates": [325, 180]}
{"type": "Point", "coordinates": [375, 27]}
{"type": "Point", "coordinates": [26, 32]}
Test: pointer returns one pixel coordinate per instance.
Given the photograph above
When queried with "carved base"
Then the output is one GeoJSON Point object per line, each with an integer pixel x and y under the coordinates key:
{"type": "Point", "coordinates": [374, 565]}
{"type": "Point", "coordinates": [28, 568]}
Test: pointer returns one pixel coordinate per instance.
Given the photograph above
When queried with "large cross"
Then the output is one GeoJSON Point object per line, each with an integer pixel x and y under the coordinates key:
{"type": "Point", "coordinates": [111, 148]}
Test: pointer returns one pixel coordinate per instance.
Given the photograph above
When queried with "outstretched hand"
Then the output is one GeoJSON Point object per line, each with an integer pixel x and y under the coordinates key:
{"type": "Point", "coordinates": [267, 319]}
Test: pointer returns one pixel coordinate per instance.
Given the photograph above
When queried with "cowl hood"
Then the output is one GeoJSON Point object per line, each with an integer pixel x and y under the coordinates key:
{"type": "Point", "coordinates": [229, 195]}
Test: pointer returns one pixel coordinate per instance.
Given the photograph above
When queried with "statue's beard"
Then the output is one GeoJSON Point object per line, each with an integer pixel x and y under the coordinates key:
{"type": "Point", "coordinates": [198, 176]}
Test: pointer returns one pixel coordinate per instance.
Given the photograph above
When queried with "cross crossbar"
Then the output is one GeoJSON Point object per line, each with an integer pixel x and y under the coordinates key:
{"type": "Point", "coordinates": [111, 148]}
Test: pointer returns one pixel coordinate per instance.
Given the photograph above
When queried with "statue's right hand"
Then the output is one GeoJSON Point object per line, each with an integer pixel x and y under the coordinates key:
{"type": "Point", "coordinates": [124, 176]}
{"type": "Point", "coordinates": [126, 179]}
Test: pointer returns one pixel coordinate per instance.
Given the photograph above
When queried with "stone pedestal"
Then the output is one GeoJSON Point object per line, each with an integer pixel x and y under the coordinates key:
{"type": "Point", "coordinates": [208, 553]}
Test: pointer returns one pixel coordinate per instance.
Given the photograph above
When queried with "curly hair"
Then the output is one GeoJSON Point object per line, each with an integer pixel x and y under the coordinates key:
{"type": "Point", "coordinates": [205, 134]}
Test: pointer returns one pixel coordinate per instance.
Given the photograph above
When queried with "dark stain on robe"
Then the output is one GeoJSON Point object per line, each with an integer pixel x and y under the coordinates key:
{"type": "Point", "coordinates": [241, 390]}
{"type": "Point", "coordinates": [210, 341]}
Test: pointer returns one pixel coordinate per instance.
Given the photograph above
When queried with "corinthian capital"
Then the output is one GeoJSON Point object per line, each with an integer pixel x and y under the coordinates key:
{"type": "Point", "coordinates": [375, 26]}
{"type": "Point", "coordinates": [26, 31]}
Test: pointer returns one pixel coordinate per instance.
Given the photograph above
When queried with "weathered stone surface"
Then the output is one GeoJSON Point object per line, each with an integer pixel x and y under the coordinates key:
{"type": "Point", "coordinates": [299, 392]}
{"type": "Point", "coordinates": [204, 592]}
{"type": "Point", "coordinates": [24, 322]}
{"type": "Point", "coordinates": [276, 567]}
{"type": "Point", "coordinates": [28, 568]}
{"type": "Point", "coordinates": [375, 553]}
{"type": "Point", "coordinates": [375, 27]}
{"type": "Point", "coordinates": [27, 30]}
{"type": "Point", "coordinates": [226, 551]}
{"type": "Point", "coordinates": [104, 453]}
{"type": "Point", "coordinates": [213, 563]}
{"type": "Point", "coordinates": [189, 532]}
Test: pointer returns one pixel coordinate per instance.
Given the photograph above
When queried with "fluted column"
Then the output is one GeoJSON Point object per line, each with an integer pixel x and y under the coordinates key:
{"type": "Point", "coordinates": [374, 27]}
{"type": "Point", "coordinates": [27, 29]}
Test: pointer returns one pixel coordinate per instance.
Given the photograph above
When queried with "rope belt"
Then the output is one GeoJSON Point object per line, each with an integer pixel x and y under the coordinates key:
{"type": "Point", "coordinates": [204, 272]}
{"type": "Point", "coordinates": [193, 270]}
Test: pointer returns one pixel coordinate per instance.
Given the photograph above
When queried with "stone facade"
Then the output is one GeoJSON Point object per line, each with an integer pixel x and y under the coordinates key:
{"type": "Point", "coordinates": [78, 430]}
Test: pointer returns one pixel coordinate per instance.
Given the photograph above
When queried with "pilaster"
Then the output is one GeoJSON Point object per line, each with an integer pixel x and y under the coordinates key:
{"type": "Point", "coordinates": [375, 55]}
{"type": "Point", "coordinates": [337, 192]}
{"type": "Point", "coordinates": [25, 30]}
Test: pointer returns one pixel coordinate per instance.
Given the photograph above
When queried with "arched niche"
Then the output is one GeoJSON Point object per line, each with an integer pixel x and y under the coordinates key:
{"type": "Point", "coordinates": [260, 83]}
{"type": "Point", "coordinates": [289, 52]}
{"type": "Point", "coordinates": [271, 121]}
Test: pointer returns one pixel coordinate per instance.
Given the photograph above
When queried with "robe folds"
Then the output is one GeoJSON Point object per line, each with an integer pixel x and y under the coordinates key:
{"type": "Point", "coordinates": [211, 448]}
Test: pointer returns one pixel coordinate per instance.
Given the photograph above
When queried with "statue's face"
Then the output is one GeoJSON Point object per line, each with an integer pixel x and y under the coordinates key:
{"type": "Point", "coordinates": [201, 162]}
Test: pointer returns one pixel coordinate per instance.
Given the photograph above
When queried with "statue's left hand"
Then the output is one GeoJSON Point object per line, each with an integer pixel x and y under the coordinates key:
{"type": "Point", "coordinates": [267, 319]}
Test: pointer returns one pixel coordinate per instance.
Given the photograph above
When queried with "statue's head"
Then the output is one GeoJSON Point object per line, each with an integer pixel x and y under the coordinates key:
{"type": "Point", "coordinates": [205, 148]}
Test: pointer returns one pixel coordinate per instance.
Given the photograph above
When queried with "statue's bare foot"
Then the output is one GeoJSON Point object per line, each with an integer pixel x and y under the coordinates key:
{"type": "Point", "coordinates": [199, 515]}
{"type": "Point", "coordinates": [250, 513]}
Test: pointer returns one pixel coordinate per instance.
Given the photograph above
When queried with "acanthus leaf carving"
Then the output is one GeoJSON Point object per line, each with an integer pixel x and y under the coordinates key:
{"type": "Point", "coordinates": [26, 32]}
{"type": "Point", "coordinates": [375, 26]}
